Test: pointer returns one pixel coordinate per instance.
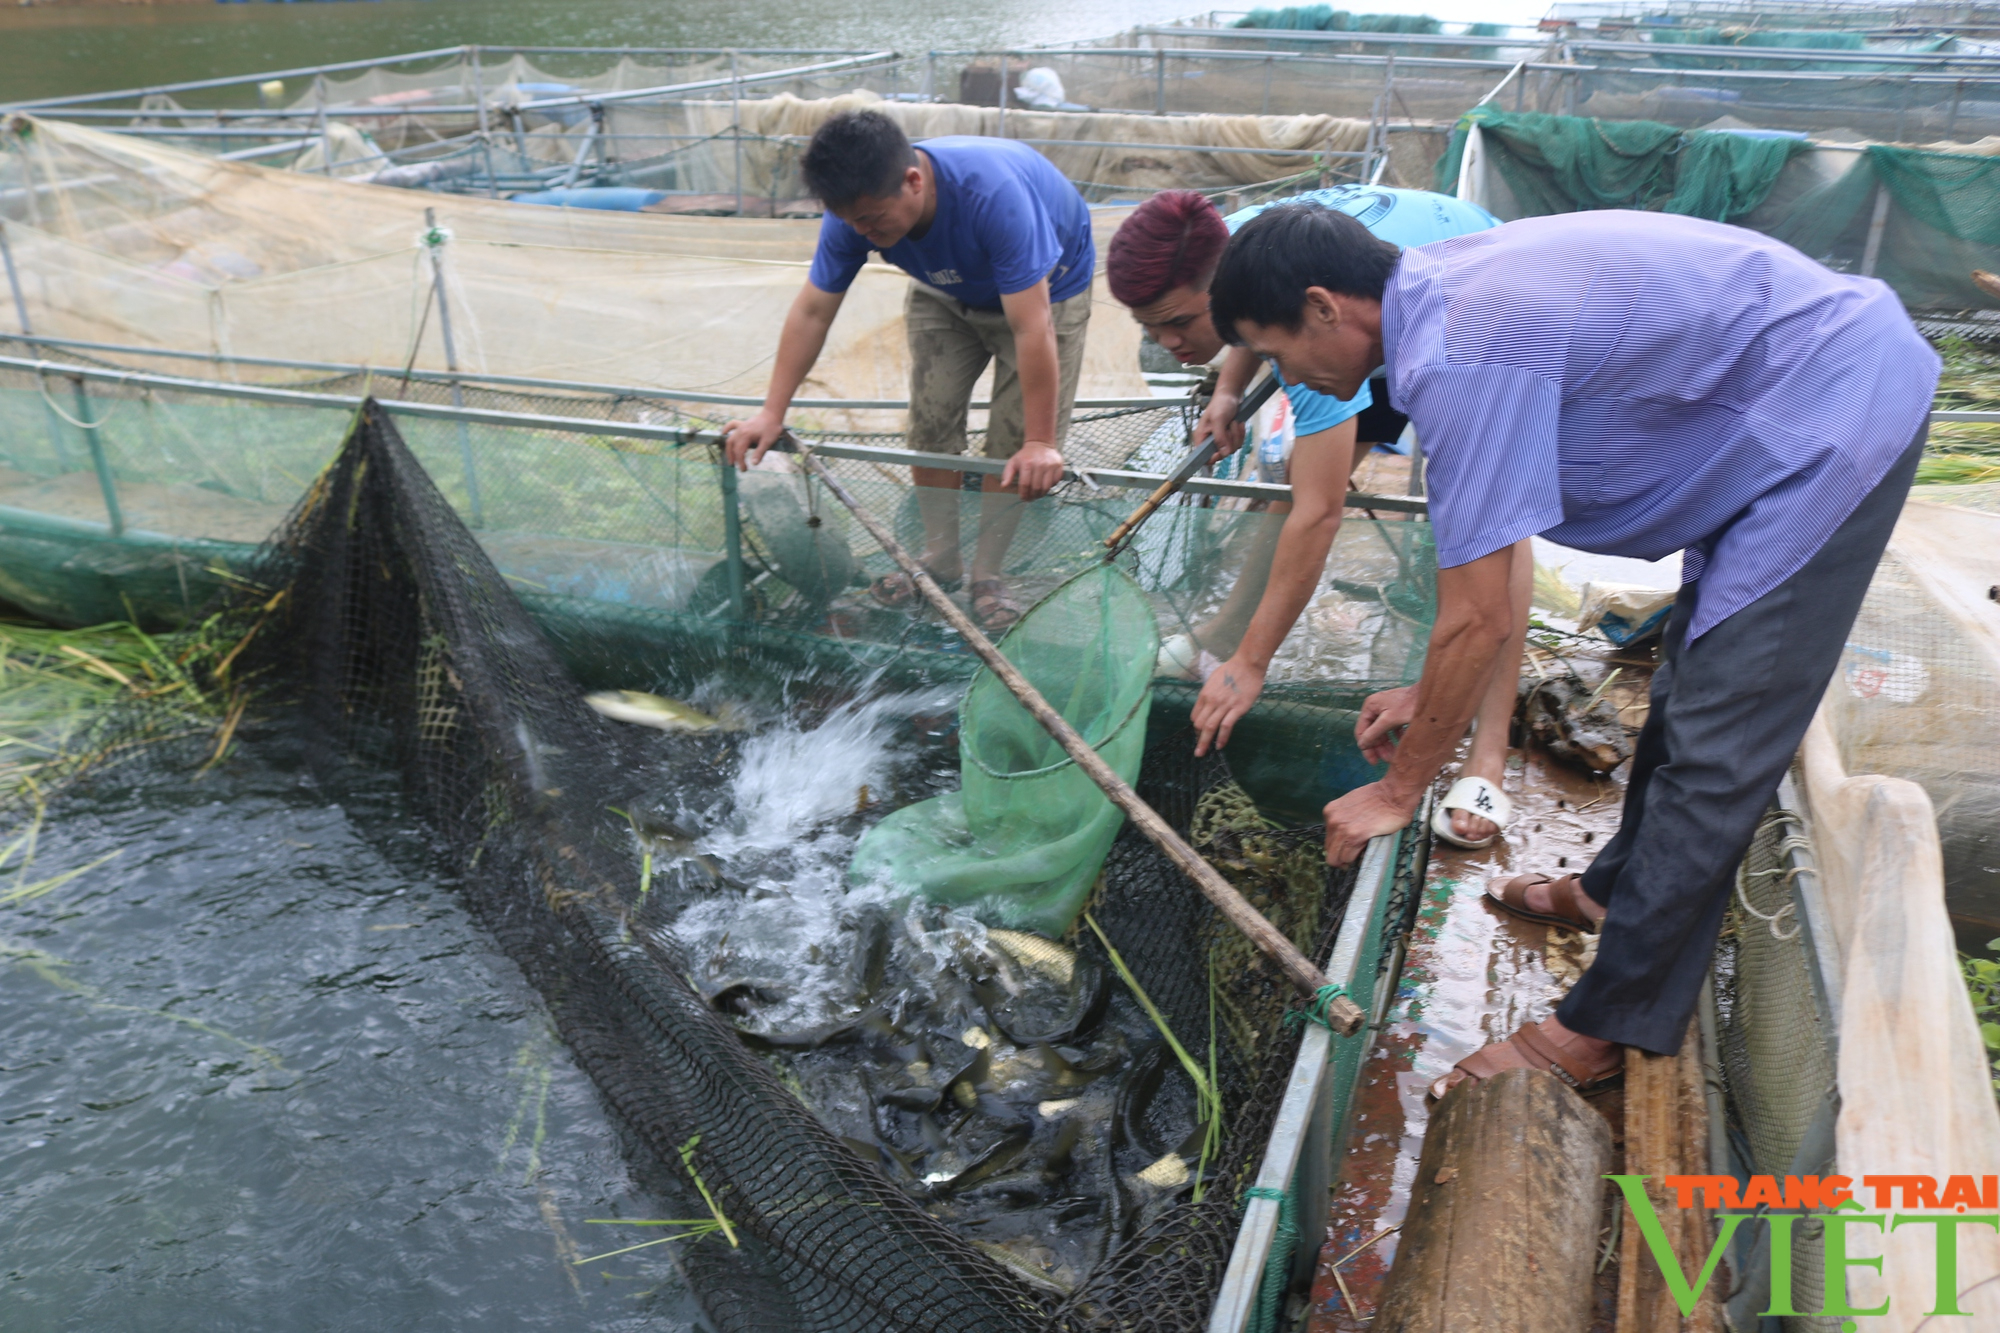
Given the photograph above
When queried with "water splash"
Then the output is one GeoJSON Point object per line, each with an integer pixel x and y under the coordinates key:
{"type": "Point", "coordinates": [784, 830]}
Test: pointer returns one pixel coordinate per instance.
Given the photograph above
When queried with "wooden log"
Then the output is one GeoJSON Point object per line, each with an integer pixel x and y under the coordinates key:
{"type": "Point", "coordinates": [1343, 1015]}
{"type": "Point", "coordinates": [1666, 1134]}
{"type": "Point", "coordinates": [1502, 1229]}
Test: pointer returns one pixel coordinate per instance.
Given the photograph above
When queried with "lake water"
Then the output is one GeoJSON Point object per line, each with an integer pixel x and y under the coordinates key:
{"type": "Point", "coordinates": [49, 52]}
{"type": "Point", "coordinates": [260, 1070]}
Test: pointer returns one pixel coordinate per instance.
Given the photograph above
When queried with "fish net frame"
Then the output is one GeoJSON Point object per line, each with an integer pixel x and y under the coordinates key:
{"type": "Point", "coordinates": [376, 629]}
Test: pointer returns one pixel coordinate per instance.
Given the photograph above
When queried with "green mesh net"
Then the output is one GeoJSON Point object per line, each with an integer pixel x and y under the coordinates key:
{"type": "Point", "coordinates": [1325, 18]}
{"type": "Point", "coordinates": [1560, 164]}
{"type": "Point", "coordinates": [1920, 220]}
{"type": "Point", "coordinates": [1021, 841]}
{"type": "Point", "coordinates": [1938, 222]}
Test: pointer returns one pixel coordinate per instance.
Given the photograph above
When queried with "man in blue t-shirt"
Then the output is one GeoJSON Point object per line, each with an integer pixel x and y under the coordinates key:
{"type": "Point", "coordinates": [999, 245]}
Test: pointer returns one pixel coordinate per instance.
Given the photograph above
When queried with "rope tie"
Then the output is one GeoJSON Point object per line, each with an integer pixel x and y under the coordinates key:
{"type": "Point", "coordinates": [1278, 1263]}
{"type": "Point", "coordinates": [55, 407]}
{"type": "Point", "coordinates": [1316, 1011]}
{"type": "Point", "coordinates": [1771, 920]}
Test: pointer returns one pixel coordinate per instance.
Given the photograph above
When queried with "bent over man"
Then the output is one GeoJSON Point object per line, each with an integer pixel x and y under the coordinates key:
{"type": "Point", "coordinates": [1631, 384]}
{"type": "Point", "coordinates": [999, 245]}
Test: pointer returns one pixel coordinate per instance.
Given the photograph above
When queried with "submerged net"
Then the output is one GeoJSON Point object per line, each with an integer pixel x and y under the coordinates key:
{"type": "Point", "coordinates": [1079, 1188]}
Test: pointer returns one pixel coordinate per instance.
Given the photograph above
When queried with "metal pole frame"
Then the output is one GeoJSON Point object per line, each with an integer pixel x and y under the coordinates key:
{"type": "Point", "coordinates": [14, 283]}
{"type": "Point", "coordinates": [485, 140]}
{"type": "Point", "coordinates": [325, 131]}
{"type": "Point", "coordinates": [681, 436]}
{"type": "Point", "coordinates": [736, 127]}
{"type": "Point", "coordinates": [434, 239]}
{"type": "Point", "coordinates": [732, 540]}
{"type": "Point", "coordinates": [93, 441]}
{"type": "Point", "coordinates": [1298, 1157]}
{"type": "Point", "coordinates": [1877, 224]}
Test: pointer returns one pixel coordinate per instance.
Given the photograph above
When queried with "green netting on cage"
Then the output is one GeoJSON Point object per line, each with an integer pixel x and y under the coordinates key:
{"type": "Point", "coordinates": [617, 545]}
{"type": "Point", "coordinates": [1561, 164]}
{"type": "Point", "coordinates": [1325, 18]}
{"type": "Point", "coordinates": [1941, 226]}
{"type": "Point", "coordinates": [1020, 843]}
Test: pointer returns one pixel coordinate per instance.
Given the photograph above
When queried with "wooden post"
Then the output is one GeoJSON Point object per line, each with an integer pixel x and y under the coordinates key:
{"type": "Point", "coordinates": [1502, 1230]}
{"type": "Point", "coordinates": [1666, 1134]}
{"type": "Point", "coordinates": [1344, 1016]}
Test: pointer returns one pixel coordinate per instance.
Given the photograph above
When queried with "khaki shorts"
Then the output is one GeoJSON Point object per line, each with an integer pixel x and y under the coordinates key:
{"type": "Point", "coordinates": [950, 344]}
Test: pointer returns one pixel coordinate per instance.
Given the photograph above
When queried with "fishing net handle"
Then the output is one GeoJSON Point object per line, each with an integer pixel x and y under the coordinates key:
{"type": "Point", "coordinates": [1343, 1015]}
{"type": "Point", "coordinates": [1252, 403]}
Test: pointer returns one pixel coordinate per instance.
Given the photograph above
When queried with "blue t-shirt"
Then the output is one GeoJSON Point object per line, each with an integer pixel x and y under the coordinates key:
{"type": "Point", "coordinates": [1401, 217]}
{"type": "Point", "coordinates": [1006, 219]}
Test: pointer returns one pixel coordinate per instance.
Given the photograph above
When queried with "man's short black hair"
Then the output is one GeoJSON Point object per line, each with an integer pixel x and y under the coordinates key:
{"type": "Point", "coordinates": [856, 154]}
{"type": "Point", "coordinates": [1282, 251]}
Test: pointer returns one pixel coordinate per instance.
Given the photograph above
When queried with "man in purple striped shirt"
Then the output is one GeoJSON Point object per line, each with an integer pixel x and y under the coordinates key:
{"type": "Point", "coordinates": [1631, 384]}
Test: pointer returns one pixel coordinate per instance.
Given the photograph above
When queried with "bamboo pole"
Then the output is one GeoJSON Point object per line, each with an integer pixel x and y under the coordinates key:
{"type": "Point", "coordinates": [1188, 466]}
{"type": "Point", "coordinates": [1343, 1015]}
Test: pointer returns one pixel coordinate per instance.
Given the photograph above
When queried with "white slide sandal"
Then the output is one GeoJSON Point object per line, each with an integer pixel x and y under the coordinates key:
{"type": "Point", "coordinates": [1475, 796]}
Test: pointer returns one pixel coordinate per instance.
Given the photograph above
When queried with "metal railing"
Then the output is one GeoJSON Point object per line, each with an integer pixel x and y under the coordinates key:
{"type": "Point", "coordinates": [1094, 478]}
{"type": "Point", "coordinates": [1311, 1124]}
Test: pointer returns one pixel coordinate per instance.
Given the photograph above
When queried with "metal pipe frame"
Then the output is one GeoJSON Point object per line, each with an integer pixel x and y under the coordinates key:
{"type": "Point", "coordinates": [235, 80]}
{"type": "Point", "coordinates": [391, 113]}
{"type": "Point", "coordinates": [1772, 53]}
{"type": "Point", "coordinates": [1443, 62]}
{"type": "Point", "coordinates": [674, 435]}
{"type": "Point", "coordinates": [1822, 945]}
{"type": "Point", "coordinates": [1363, 38]}
{"type": "Point", "coordinates": [525, 382]}
{"type": "Point", "coordinates": [613, 390]}
{"type": "Point", "coordinates": [439, 53]}
{"type": "Point", "coordinates": [208, 132]}
{"type": "Point", "coordinates": [1188, 148]}
{"type": "Point", "coordinates": [671, 50]}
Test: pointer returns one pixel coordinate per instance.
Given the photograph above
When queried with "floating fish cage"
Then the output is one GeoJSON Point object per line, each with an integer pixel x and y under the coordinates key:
{"type": "Point", "coordinates": [713, 132]}
{"type": "Point", "coordinates": [478, 555]}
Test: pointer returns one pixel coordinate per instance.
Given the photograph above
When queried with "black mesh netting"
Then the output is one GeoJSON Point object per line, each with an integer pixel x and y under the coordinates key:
{"type": "Point", "coordinates": [378, 625]}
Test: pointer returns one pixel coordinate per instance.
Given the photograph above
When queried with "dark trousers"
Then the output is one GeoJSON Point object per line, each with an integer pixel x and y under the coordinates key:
{"type": "Point", "coordinates": [1728, 712]}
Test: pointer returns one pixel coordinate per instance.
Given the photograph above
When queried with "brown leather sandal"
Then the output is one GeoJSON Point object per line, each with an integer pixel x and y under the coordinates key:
{"type": "Point", "coordinates": [1573, 908]}
{"type": "Point", "coordinates": [1531, 1048]}
{"type": "Point", "coordinates": [993, 606]}
{"type": "Point", "coordinates": [900, 591]}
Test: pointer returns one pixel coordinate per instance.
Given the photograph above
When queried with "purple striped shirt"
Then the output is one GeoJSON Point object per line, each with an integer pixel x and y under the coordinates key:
{"type": "Point", "coordinates": [1641, 383]}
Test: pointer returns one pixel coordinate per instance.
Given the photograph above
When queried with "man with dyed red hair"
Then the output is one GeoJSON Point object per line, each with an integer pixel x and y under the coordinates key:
{"type": "Point", "coordinates": [1159, 265]}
